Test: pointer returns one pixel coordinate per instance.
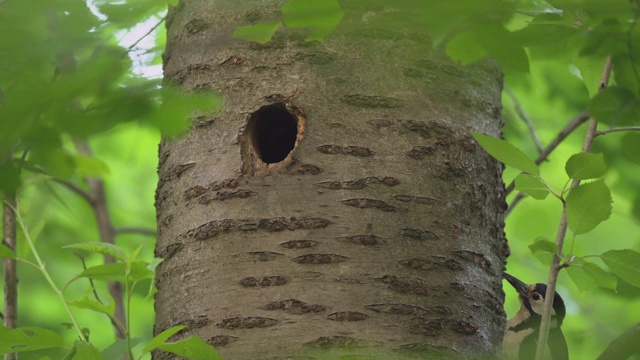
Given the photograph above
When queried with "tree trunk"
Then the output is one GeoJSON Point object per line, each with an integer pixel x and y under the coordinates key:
{"type": "Point", "coordinates": [336, 204]}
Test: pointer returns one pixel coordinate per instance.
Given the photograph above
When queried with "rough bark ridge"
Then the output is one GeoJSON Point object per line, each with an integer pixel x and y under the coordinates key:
{"type": "Point", "coordinates": [379, 234]}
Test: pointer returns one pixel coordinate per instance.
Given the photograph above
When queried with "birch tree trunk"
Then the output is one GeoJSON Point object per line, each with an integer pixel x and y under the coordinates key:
{"type": "Point", "coordinates": [336, 205]}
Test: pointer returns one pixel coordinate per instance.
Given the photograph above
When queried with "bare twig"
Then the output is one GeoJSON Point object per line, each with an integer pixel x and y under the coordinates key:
{"type": "Point", "coordinates": [147, 34]}
{"type": "Point", "coordinates": [107, 235]}
{"type": "Point", "coordinates": [618, 129]}
{"type": "Point", "coordinates": [135, 230]}
{"type": "Point", "coordinates": [555, 267]}
{"type": "Point", "coordinates": [523, 115]}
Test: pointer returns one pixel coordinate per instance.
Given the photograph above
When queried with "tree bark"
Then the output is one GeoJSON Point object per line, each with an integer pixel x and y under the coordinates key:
{"type": "Point", "coordinates": [336, 205]}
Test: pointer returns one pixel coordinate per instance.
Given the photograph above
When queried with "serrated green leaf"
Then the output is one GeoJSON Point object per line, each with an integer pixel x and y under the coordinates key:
{"type": "Point", "coordinates": [507, 153]}
{"type": "Point", "coordinates": [260, 33]}
{"type": "Point", "coordinates": [625, 264]}
{"type": "Point", "coordinates": [6, 253]}
{"type": "Point", "coordinates": [615, 106]}
{"type": "Point", "coordinates": [532, 186]}
{"type": "Point", "coordinates": [191, 348]}
{"type": "Point", "coordinates": [631, 146]}
{"type": "Point", "coordinates": [101, 248]}
{"type": "Point", "coordinates": [86, 303]}
{"type": "Point", "coordinates": [588, 275]}
{"type": "Point", "coordinates": [583, 166]}
{"type": "Point", "coordinates": [587, 206]}
{"type": "Point", "coordinates": [543, 245]}
{"type": "Point", "coordinates": [322, 16]}
{"type": "Point", "coordinates": [464, 48]}
{"type": "Point", "coordinates": [162, 337]}
{"type": "Point", "coordinates": [86, 351]}
{"type": "Point", "coordinates": [28, 338]}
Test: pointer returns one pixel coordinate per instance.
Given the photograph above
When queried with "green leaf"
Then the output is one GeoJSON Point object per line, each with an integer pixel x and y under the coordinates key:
{"type": "Point", "coordinates": [616, 107]}
{"type": "Point", "coordinates": [588, 275]}
{"type": "Point", "coordinates": [28, 339]}
{"type": "Point", "coordinates": [543, 245]}
{"type": "Point", "coordinates": [86, 351]}
{"type": "Point", "coordinates": [86, 303]}
{"type": "Point", "coordinates": [112, 250]}
{"type": "Point", "coordinates": [119, 348]}
{"type": "Point", "coordinates": [631, 146]}
{"type": "Point", "coordinates": [88, 165]}
{"type": "Point", "coordinates": [116, 272]}
{"type": "Point", "coordinates": [260, 33]}
{"type": "Point", "coordinates": [625, 264]}
{"type": "Point", "coordinates": [162, 338]}
{"type": "Point", "coordinates": [587, 206]}
{"type": "Point", "coordinates": [464, 48]}
{"type": "Point", "coordinates": [192, 348]}
{"type": "Point", "coordinates": [6, 253]}
{"type": "Point", "coordinates": [323, 16]}
{"type": "Point", "coordinates": [504, 47]}
{"type": "Point", "coordinates": [507, 153]}
{"type": "Point", "coordinates": [532, 186]}
{"type": "Point", "coordinates": [584, 166]}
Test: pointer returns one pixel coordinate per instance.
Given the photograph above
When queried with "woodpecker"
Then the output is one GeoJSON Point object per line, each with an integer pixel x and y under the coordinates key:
{"type": "Point", "coordinates": [521, 334]}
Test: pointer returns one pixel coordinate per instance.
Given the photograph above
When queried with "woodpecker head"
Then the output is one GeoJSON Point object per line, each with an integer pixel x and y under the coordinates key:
{"type": "Point", "coordinates": [532, 298]}
{"type": "Point", "coordinates": [521, 333]}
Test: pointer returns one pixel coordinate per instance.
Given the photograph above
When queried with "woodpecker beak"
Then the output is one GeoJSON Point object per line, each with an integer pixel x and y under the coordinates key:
{"type": "Point", "coordinates": [521, 288]}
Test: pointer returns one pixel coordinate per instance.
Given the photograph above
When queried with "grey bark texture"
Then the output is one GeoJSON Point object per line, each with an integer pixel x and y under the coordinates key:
{"type": "Point", "coordinates": [379, 235]}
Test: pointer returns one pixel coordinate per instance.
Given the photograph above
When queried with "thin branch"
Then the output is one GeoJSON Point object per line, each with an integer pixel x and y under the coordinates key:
{"type": "Point", "coordinates": [107, 235]}
{"type": "Point", "coordinates": [523, 115]}
{"type": "Point", "coordinates": [147, 34]}
{"type": "Point", "coordinates": [10, 314]}
{"type": "Point", "coordinates": [619, 129]}
{"type": "Point", "coordinates": [555, 267]}
{"type": "Point", "coordinates": [74, 188]}
{"type": "Point", "coordinates": [135, 230]}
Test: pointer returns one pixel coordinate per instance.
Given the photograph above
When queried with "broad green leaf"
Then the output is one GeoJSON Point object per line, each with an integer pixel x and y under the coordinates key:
{"type": "Point", "coordinates": [503, 46]}
{"type": "Point", "coordinates": [587, 206]}
{"type": "Point", "coordinates": [88, 165]}
{"type": "Point", "coordinates": [116, 272]}
{"type": "Point", "coordinates": [532, 186]}
{"type": "Point", "coordinates": [119, 348]}
{"type": "Point", "coordinates": [625, 264]}
{"type": "Point", "coordinates": [28, 339]}
{"type": "Point", "coordinates": [86, 351]}
{"type": "Point", "coordinates": [86, 303]}
{"type": "Point", "coordinates": [112, 250]}
{"type": "Point", "coordinates": [543, 245]}
{"type": "Point", "coordinates": [260, 33]}
{"type": "Point", "coordinates": [105, 272]}
{"type": "Point", "coordinates": [588, 275]}
{"type": "Point", "coordinates": [507, 153]}
{"type": "Point", "coordinates": [615, 106]}
{"type": "Point", "coordinates": [464, 48]}
{"type": "Point", "coordinates": [6, 253]}
{"type": "Point", "coordinates": [191, 348]}
{"type": "Point", "coordinates": [631, 146]}
{"type": "Point", "coordinates": [584, 166]}
{"type": "Point", "coordinates": [162, 337]}
{"type": "Point", "coordinates": [323, 16]}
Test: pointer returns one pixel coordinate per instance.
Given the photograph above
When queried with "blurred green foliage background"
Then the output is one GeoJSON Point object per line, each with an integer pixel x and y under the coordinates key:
{"type": "Point", "coordinates": [551, 94]}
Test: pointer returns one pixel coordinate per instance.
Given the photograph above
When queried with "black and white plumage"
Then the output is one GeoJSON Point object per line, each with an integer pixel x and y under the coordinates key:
{"type": "Point", "coordinates": [521, 333]}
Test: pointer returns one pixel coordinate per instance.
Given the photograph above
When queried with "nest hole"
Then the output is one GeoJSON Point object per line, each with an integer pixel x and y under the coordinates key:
{"type": "Point", "coordinates": [272, 132]}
